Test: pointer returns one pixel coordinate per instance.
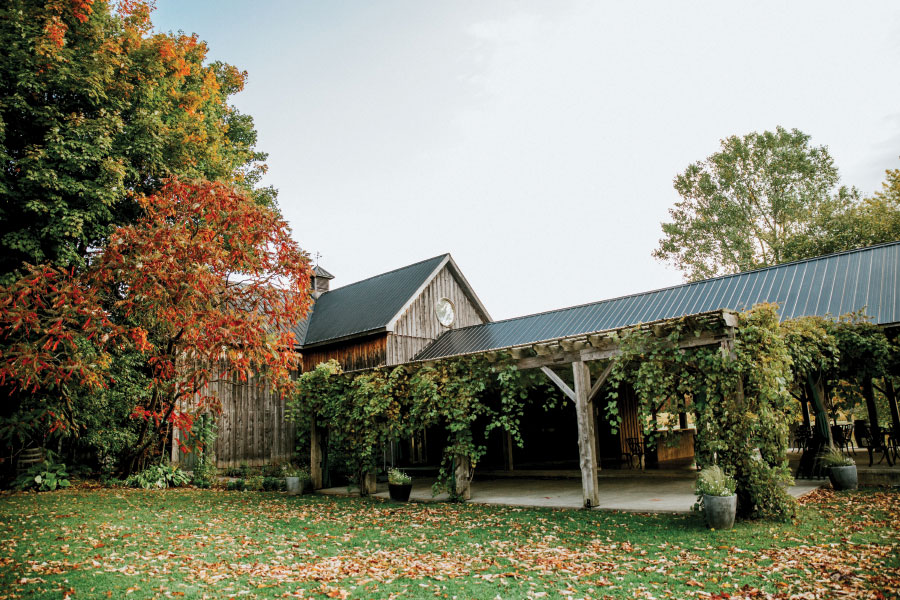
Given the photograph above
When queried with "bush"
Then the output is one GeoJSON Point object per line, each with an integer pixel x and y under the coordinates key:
{"type": "Point", "coordinates": [235, 485]}
{"type": "Point", "coordinates": [158, 477]}
{"type": "Point", "coordinates": [254, 483]}
{"type": "Point", "coordinates": [274, 484]}
{"type": "Point", "coordinates": [46, 476]}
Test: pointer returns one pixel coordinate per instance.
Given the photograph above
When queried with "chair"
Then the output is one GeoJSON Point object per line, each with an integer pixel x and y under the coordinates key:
{"type": "Point", "coordinates": [801, 434]}
{"type": "Point", "coordinates": [872, 438]}
{"type": "Point", "coordinates": [636, 450]}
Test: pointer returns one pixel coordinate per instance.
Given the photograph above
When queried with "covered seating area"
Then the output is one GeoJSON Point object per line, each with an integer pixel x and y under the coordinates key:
{"type": "Point", "coordinates": [573, 347]}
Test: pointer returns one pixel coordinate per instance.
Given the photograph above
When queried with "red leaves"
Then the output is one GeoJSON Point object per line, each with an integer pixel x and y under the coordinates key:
{"type": "Point", "coordinates": [207, 274]}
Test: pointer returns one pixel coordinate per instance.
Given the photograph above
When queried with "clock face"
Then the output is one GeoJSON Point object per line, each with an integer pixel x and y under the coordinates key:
{"type": "Point", "coordinates": [443, 308]}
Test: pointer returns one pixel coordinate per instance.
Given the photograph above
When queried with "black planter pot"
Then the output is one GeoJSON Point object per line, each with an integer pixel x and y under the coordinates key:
{"type": "Point", "coordinates": [398, 492]}
{"type": "Point", "coordinates": [843, 478]}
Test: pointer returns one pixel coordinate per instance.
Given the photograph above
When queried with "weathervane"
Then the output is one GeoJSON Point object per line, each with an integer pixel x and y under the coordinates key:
{"type": "Point", "coordinates": [317, 257]}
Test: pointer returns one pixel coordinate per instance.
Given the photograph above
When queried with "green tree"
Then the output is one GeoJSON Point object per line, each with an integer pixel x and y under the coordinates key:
{"type": "Point", "coordinates": [96, 110]}
{"type": "Point", "coordinates": [741, 206]}
{"type": "Point", "coordinates": [872, 221]}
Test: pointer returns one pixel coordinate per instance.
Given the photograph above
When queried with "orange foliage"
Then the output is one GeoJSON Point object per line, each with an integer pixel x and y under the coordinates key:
{"type": "Point", "coordinates": [212, 278]}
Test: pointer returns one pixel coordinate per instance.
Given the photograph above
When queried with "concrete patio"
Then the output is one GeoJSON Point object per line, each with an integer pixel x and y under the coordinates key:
{"type": "Point", "coordinates": [644, 493]}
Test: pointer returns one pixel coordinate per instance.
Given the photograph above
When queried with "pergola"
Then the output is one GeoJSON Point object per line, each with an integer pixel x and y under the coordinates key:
{"type": "Point", "coordinates": [574, 337]}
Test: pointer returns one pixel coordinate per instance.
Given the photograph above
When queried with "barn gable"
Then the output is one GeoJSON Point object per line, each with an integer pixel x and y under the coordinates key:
{"type": "Point", "coordinates": [388, 318]}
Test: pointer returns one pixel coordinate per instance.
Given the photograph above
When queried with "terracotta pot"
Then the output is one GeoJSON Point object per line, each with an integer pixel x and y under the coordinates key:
{"type": "Point", "coordinates": [843, 478]}
{"type": "Point", "coordinates": [720, 511]}
{"type": "Point", "coordinates": [399, 492]}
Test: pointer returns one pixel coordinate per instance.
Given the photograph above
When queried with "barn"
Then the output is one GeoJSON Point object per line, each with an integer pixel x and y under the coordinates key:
{"type": "Point", "coordinates": [381, 321]}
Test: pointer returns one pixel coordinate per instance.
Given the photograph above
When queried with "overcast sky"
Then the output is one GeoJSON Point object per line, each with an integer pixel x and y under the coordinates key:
{"type": "Point", "coordinates": [536, 141]}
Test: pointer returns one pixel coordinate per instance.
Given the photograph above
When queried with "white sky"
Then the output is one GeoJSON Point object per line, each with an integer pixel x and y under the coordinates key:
{"type": "Point", "coordinates": [536, 141]}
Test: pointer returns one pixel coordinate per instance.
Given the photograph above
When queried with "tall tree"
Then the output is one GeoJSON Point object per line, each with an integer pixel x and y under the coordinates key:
{"type": "Point", "coordinates": [872, 221]}
{"type": "Point", "coordinates": [206, 284]}
{"type": "Point", "coordinates": [96, 110]}
{"type": "Point", "coordinates": [741, 205]}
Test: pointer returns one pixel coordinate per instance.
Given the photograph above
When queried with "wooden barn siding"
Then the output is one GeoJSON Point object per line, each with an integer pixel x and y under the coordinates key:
{"type": "Point", "coordinates": [353, 355]}
{"type": "Point", "coordinates": [251, 426]}
{"type": "Point", "coordinates": [418, 326]}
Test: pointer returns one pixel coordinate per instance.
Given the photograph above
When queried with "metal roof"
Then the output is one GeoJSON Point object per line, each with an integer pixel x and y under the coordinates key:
{"type": "Point", "coordinates": [828, 285]}
{"type": "Point", "coordinates": [320, 272]}
{"type": "Point", "coordinates": [366, 306]}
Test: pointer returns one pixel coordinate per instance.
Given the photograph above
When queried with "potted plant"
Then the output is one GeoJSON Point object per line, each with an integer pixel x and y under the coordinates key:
{"type": "Point", "coordinates": [399, 485]}
{"type": "Point", "coordinates": [296, 480]}
{"type": "Point", "coordinates": [715, 491]}
{"type": "Point", "coordinates": [841, 470]}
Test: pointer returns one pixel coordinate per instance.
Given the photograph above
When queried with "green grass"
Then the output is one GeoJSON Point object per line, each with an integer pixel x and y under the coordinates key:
{"type": "Point", "coordinates": [101, 543]}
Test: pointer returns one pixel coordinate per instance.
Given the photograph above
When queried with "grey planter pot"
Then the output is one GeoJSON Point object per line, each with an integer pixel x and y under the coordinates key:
{"type": "Point", "coordinates": [293, 485]}
{"type": "Point", "coordinates": [720, 511]}
{"type": "Point", "coordinates": [843, 478]}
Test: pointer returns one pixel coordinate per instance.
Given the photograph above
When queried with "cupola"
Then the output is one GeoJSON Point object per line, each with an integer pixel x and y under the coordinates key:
{"type": "Point", "coordinates": [319, 281]}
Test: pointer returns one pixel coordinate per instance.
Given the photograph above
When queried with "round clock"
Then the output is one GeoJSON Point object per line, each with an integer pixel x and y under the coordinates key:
{"type": "Point", "coordinates": [443, 308]}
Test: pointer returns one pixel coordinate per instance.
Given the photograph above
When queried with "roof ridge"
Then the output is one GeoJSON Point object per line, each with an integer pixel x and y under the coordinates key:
{"type": "Point", "coordinates": [344, 287]}
{"type": "Point", "coordinates": [680, 285]}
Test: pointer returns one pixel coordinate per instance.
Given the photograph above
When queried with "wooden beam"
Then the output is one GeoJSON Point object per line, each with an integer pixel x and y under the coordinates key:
{"type": "Point", "coordinates": [559, 383]}
{"type": "Point", "coordinates": [587, 440]}
{"type": "Point", "coordinates": [546, 357]}
{"type": "Point", "coordinates": [315, 457]}
{"type": "Point", "coordinates": [463, 476]}
{"type": "Point", "coordinates": [595, 389]}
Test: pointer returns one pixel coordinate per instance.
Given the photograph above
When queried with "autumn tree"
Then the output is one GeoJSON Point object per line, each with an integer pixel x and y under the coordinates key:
{"type": "Point", "coordinates": [741, 206]}
{"type": "Point", "coordinates": [206, 284]}
{"type": "Point", "coordinates": [96, 110]}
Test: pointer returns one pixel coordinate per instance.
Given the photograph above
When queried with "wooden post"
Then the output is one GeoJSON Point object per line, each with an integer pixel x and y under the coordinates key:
{"type": "Point", "coordinates": [368, 485]}
{"type": "Point", "coordinates": [462, 475]}
{"type": "Point", "coordinates": [587, 440]}
{"type": "Point", "coordinates": [509, 452]}
{"type": "Point", "coordinates": [315, 457]}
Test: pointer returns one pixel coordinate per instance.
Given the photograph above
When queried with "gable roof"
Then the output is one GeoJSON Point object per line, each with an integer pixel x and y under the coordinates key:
{"type": "Point", "coordinates": [374, 304]}
{"type": "Point", "coordinates": [828, 285]}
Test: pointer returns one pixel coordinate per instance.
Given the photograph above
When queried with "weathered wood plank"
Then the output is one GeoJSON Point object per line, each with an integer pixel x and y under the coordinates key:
{"type": "Point", "coordinates": [559, 383]}
{"type": "Point", "coordinates": [595, 389]}
{"type": "Point", "coordinates": [315, 457]}
{"type": "Point", "coordinates": [587, 442]}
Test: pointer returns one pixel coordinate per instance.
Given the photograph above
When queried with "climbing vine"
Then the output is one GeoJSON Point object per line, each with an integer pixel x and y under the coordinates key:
{"type": "Point", "coordinates": [738, 393]}
{"type": "Point", "coordinates": [469, 397]}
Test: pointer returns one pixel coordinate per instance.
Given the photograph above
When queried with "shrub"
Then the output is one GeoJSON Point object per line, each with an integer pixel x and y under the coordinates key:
{"type": "Point", "coordinates": [274, 484]}
{"type": "Point", "coordinates": [398, 477]}
{"type": "Point", "coordinates": [236, 485]}
{"type": "Point", "coordinates": [254, 483]}
{"type": "Point", "coordinates": [158, 477]}
{"type": "Point", "coordinates": [43, 477]}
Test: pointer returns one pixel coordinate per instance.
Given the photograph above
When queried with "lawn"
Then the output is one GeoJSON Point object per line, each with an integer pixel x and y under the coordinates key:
{"type": "Point", "coordinates": [116, 543]}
